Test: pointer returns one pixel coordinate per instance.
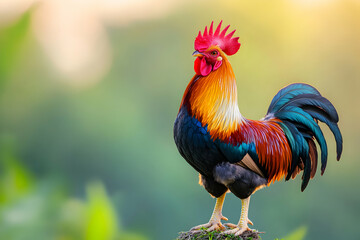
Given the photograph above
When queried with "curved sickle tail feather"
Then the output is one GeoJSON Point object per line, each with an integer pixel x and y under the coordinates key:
{"type": "Point", "coordinates": [300, 107]}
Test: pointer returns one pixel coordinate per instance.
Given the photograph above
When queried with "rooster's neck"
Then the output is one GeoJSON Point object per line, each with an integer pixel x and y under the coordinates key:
{"type": "Point", "coordinates": [212, 100]}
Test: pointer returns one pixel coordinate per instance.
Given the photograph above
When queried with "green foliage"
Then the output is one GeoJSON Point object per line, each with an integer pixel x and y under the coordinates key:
{"type": "Point", "coordinates": [15, 180]}
{"type": "Point", "coordinates": [35, 209]}
{"type": "Point", "coordinates": [101, 221]}
{"type": "Point", "coordinates": [298, 234]}
{"type": "Point", "coordinates": [11, 41]}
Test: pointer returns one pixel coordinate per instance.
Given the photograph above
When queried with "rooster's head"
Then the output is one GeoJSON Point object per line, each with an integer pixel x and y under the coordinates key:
{"type": "Point", "coordinates": [211, 48]}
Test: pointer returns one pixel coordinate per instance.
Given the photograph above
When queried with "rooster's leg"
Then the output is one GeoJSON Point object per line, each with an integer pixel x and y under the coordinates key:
{"type": "Point", "coordinates": [242, 226]}
{"type": "Point", "coordinates": [216, 217]}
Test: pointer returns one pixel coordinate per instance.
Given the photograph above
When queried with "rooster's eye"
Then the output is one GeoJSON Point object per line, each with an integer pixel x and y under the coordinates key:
{"type": "Point", "coordinates": [213, 53]}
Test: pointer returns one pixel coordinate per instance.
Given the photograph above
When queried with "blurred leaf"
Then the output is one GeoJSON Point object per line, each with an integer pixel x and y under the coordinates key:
{"type": "Point", "coordinates": [101, 219]}
{"type": "Point", "coordinates": [15, 180]}
{"type": "Point", "coordinates": [11, 39]}
{"type": "Point", "coordinates": [298, 234]}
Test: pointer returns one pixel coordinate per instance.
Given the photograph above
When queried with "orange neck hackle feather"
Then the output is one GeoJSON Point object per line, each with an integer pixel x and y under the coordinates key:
{"type": "Point", "coordinates": [212, 99]}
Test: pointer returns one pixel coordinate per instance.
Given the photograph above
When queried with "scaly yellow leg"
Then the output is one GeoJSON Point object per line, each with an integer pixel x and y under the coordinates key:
{"type": "Point", "coordinates": [216, 217]}
{"type": "Point", "coordinates": [242, 225]}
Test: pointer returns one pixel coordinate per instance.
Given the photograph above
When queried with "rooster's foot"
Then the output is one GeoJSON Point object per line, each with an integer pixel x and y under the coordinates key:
{"type": "Point", "coordinates": [210, 226]}
{"type": "Point", "coordinates": [237, 230]}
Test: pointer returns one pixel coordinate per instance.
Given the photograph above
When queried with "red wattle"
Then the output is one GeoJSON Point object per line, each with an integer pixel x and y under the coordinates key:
{"type": "Point", "coordinates": [205, 68]}
{"type": "Point", "coordinates": [197, 66]}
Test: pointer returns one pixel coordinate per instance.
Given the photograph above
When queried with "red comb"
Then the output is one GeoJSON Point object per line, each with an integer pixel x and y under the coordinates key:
{"type": "Point", "coordinates": [228, 44]}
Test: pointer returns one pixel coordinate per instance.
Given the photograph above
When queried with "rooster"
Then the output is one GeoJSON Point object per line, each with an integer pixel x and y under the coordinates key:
{"type": "Point", "coordinates": [232, 153]}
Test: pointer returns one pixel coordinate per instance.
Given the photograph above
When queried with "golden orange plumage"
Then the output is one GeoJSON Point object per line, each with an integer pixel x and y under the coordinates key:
{"type": "Point", "coordinates": [213, 100]}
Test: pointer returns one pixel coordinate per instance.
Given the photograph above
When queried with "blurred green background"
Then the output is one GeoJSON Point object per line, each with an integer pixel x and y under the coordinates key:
{"type": "Point", "coordinates": [89, 91]}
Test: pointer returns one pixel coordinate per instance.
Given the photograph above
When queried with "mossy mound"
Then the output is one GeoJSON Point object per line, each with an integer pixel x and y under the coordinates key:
{"type": "Point", "coordinates": [216, 235]}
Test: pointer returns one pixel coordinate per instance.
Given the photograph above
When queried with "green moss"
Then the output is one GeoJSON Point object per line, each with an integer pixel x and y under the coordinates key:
{"type": "Point", "coordinates": [202, 234]}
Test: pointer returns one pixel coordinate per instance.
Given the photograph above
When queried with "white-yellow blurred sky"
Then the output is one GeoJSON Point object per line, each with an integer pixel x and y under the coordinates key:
{"type": "Point", "coordinates": [72, 32]}
{"type": "Point", "coordinates": [73, 35]}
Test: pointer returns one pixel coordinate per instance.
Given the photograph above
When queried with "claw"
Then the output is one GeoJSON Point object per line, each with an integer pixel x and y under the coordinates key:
{"type": "Point", "coordinates": [198, 227]}
{"type": "Point", "coordinates": [250, 222]}
{"type": "Point", "coordinates": [237, 231]}
{"type": "Point", "coordinates": [211, 226]}
{"type": "Point", "coordinates": [231, 225]}
{"type": "Point", "coordinates": [216, 227]}
{"type": "Point", "coordinates": [224, 218]}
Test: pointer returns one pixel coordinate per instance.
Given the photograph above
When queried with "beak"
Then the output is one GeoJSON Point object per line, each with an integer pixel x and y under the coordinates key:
{"type": "Point", "coordinates": [197, 54]}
